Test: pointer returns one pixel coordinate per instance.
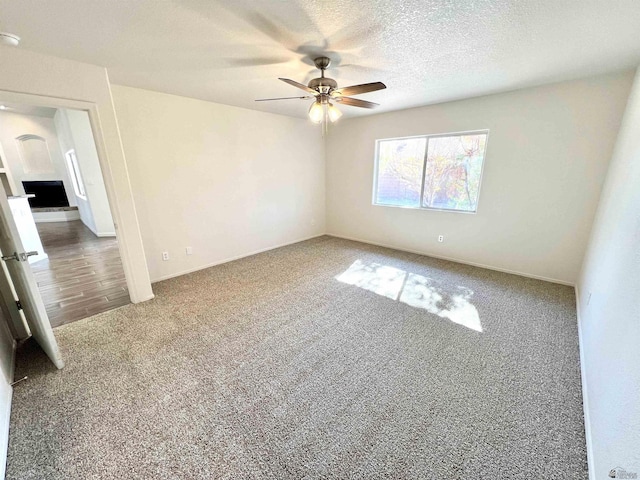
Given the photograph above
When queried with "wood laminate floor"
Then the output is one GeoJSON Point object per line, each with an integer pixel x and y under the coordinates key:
{"type": "Point", "coordinates": [83, 275]}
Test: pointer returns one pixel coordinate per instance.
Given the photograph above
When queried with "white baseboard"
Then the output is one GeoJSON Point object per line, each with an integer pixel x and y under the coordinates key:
{"type": "Point", "coordinates": [457, 260]}
{"type": "Point", "coordinates": [585, 396]}
{"type": "Point", "coordinates": [63, 216]}
{"type": "Point", "coordinates": [231, 259]}
{"type": "Point", "coordinates": [86, 224]}
{"type": "Point", "coordinates": [99, 233]}
{"type": "Point", "coordinates": [140, 300]}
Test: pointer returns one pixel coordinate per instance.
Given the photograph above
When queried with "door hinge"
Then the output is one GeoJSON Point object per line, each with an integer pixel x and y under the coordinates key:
{"type": "Point", "coordinates": [18, 304]}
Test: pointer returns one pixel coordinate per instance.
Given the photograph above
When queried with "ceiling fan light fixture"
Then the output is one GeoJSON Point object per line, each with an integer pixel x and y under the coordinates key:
{"type": "Point", "coordinates": [316, 112]}
{"type": "Point", "coordinates": [324, 90]}
{"type": "Point", "coordinates": [334, 113]}
{"type": "Point", "coordinates": [9, 39]}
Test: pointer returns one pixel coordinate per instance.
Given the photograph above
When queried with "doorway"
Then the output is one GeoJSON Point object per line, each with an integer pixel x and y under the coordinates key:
{"type": "Point", "coordinates": [51, 172]}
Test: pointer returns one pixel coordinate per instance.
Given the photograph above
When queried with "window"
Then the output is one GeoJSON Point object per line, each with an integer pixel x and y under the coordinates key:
{"type": "Point", "coordinates": [74, 171]}
{"type": "Point", "coordinates": [440, 172]}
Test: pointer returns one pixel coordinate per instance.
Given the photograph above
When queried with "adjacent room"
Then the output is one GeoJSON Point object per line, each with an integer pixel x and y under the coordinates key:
{"type": "Point", "coordinates": [319, 239]}
{"type": "Point", "coordinates": [52, 178]}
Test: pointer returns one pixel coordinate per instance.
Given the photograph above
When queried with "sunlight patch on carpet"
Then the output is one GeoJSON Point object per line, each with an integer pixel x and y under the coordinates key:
{"type": "Point", "coordinates": [415, 290]}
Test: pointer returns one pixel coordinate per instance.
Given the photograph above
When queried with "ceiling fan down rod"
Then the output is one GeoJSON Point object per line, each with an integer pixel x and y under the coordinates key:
{"type": "Point", "coordinates": [322, 63]}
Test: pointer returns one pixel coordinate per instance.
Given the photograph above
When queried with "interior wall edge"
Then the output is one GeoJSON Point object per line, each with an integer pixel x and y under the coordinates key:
{"type": "Point", "coordinates": [585, 396]}
{"type": "Point", "coordinates": [5, 416]}
{"type": "Point", "coordinates": [608, 308]}
{"type": "Point", "coordinates": [12, 362]}
{"type": "Point", "coordinates": [37, 79]}
{"type": "Point", "coordinates": [456, 260]}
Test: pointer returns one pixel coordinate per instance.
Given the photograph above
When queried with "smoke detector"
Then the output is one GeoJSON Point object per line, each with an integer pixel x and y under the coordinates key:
{"type": "Point", "coordinates": [9, 39]}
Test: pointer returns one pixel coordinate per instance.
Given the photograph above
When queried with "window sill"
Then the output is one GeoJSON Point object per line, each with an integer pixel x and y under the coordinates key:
{"type": "Point", "coordinates": [428, 209]}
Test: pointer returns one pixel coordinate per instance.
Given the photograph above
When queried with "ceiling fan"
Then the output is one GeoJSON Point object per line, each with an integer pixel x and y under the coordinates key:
{"type": "Point", "coordinates": [325, 90]}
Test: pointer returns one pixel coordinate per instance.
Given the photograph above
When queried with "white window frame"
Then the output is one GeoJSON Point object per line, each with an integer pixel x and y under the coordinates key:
{"type": "Point", "coordinates": [424, 171]}
{"type": "Point", "coordinates": [75, 174]}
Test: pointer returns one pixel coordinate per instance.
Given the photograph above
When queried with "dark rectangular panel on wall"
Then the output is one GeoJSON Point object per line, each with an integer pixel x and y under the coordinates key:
{"type": "Point", "coordinates": [48, 193]}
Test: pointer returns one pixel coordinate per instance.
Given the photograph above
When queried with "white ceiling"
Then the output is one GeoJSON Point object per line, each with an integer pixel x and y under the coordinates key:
{"type": "Point", "coordinates": [426, 51]}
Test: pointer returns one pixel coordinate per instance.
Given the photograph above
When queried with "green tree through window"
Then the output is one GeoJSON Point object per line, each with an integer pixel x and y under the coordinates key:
{"type": "Point", "coordinates": [435, 172]}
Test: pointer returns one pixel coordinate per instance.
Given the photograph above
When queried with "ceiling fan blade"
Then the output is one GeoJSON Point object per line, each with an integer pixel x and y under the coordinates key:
{"type": "Point", "coordinates": [252, 62]}
{"type": "Point", "coordinates": [282, 98]}
{"type": "Point", "coordinates": [358, 89]}
{"type": "Point", "coordinates": [355, 102]}
{"type": "Point", "coordinates": [299, 85]}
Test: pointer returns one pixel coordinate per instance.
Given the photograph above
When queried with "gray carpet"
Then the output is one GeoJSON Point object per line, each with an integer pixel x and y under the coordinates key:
{"type": "Point", "coordinates": [270, 367]}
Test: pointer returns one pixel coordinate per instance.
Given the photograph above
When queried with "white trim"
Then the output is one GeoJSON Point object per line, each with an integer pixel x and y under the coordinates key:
{"type": "Point", "coordinates": [139, 284]}
{"type": "Point", "coordinates": [4, 169]}
{"type": "Point", "coordinates": [58, 216]}
{"type": "Point", "coordinates": [74, 173]}
{"type": "Point", "coordinates": [456, 260]}
{"type": "Point", "coordinates": [585, 396]}
{"type": "Point", "coordinates": [144, 299]}
{"type": "Point", "coordinates": [231, 259]}
{"type": "Point", "coordinates": [95, 232]}
{"type": "Point", "coordinates": [5, 417]}
{"type": "Point", "coordinates": [12, 365]}
{"type": "Point", "coordinates": [26, 166]}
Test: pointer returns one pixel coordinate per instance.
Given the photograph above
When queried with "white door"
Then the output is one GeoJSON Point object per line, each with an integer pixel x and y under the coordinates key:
{"type": "Point", "coordinates": [24, 282]}
{"type": "Point", "coordinates": [15, 316]}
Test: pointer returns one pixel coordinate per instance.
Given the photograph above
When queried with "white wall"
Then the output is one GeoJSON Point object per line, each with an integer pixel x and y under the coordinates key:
{"type": "Point", "coordinates": [13, 125]}
{"type": "Point", "coordinates": [224, 180]}
{"type": "Point", "coordinates": [66, 143]}
{"type": "Point", "coordinates": [74, 132]}
{"type": "Point", "coordinates": [28, 77]}
{"type": "Point", "coordinates": [7, 357]}
{"type": "Point", "coordinates": [609, 309]}
{"type": "Point", "coordinates": [89, 164]}
{"type": "Point", "coordinates": [546, 159]}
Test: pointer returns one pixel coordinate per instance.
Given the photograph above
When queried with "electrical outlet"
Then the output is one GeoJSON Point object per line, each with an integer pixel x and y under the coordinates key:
{"type": "Point", "coordinates": [189, 250]}
{"type": "Point", "coordinates": [441, 238]}
{"type": "Point", "coordinates": [165, 256]}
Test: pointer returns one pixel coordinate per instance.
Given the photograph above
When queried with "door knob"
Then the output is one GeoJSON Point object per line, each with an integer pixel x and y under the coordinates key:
{"type": "Point", "coordinates": [20, 257]}
{"type": "Point", "coordinates": [25, 255]}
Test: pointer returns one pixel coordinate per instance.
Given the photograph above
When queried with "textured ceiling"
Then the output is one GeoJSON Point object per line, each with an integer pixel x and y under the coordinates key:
{"type": "Point", "coordinates": [425, 51]}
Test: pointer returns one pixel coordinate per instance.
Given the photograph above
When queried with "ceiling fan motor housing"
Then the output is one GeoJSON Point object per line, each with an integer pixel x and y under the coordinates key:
{"type": "Point", "coordinates": [323, 84]}
{"type": "Point", "coordinates": [322, 62]}
{"type": "Point", "coordinates": [325, 90]}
